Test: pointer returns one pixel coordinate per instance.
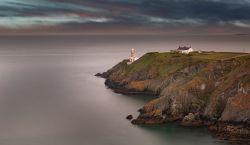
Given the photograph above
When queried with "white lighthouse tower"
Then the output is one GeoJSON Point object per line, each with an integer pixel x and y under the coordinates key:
{"type": "Point", "coordinates": [132, 57]}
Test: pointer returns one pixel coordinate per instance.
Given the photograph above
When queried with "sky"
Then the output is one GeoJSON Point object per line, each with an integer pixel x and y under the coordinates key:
{"type": "Point", "coordinates": [185, 17]}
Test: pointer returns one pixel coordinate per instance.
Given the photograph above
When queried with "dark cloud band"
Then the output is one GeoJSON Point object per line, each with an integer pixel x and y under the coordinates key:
{"type": "Point", "coordinates": [30, 13]}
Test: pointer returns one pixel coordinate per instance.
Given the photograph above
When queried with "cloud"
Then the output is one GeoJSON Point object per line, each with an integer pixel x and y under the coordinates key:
{"type": "Point", "coordinates": [41, 6]}
{"type": "Point", "coordinates": [241, 24]}
{"type": "Point", "coordinates": [16, 22]}
{"type": "Point", "coordinates": [186, 21]}
{"type": "Point", "coordinates": [127, 13]}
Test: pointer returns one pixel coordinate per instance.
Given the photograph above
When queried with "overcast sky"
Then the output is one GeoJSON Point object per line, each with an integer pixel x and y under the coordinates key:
{"type": "Point", "coordinates": [126, 16]}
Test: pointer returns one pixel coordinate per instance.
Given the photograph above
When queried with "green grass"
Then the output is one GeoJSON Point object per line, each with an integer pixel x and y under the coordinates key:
{"type": "Point", "coordinates": [166, 63]}
{"type": "Point", "coordinates": [215, 55]}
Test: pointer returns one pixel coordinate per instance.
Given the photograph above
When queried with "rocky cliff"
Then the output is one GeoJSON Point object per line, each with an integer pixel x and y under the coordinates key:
{"type": "Point", "coordinates": [211, 88]}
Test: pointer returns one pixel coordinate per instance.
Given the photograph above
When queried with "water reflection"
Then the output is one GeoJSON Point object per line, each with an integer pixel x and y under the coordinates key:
{"type": "Point", "coordinates": [174, 134]}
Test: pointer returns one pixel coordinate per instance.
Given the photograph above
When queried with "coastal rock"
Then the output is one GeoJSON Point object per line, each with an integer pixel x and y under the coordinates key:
{"type": "Point", "coordinates": [230, 130]}
{"type": "Point", "coordinates": [129, 117]}
{"type": "Point", "coordinates": [98, 74]}
{"type": "Point", "coordinates": [213, 85]}
{"type": "Point", "coordinates": [102, 75]}
{"type": "Point", "coordinates": [148, 120]}
{"type": "Point", "coordinates": [189, 117]}
{"type": "Point", "coordinates": [237, 109]}
{"type": "Point", "coordinates": [191, 120]}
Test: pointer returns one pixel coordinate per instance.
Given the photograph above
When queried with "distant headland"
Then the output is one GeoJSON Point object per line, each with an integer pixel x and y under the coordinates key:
{"type": "Point", "coordinates": [191, 87]}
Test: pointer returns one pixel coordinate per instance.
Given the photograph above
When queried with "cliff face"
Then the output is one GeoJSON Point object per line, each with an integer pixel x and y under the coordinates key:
{"type": "Point", "coordinates": [207, 87]}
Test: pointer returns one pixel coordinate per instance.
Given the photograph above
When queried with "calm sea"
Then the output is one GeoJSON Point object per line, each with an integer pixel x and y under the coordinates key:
{"type": "Point", "coordinates": [50, 96]}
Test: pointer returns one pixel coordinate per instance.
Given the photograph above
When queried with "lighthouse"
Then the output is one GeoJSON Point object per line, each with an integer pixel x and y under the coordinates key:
{"type": "Point", "coordinates": [132, 57]}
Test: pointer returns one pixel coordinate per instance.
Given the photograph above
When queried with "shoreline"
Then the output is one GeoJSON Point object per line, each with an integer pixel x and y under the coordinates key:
{"type": "Point", "coordinates": [222, 130]}
{"type": "Point", "coordinates": [201, 84]}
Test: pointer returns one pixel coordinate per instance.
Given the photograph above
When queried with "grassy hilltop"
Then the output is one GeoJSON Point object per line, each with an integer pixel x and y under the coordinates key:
{"type": "Point", "coordinates": [165, 63]}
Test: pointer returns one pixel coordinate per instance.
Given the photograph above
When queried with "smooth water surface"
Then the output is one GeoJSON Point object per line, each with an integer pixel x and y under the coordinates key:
{"type": "Point", "coordinates": [50, 96]}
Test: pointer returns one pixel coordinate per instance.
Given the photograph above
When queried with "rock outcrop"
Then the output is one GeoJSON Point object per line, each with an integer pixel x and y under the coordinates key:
{"type": "Point", "coordinates": [197, 89]}
{"type": "Point", "coordinates": [192, 120]}
{"type": "Point", "coordinates": [129, 117]}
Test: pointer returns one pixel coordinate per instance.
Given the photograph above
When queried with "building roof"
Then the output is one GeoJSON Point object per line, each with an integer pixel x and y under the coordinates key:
{"type": "Point", "coordinates": [183, 48]}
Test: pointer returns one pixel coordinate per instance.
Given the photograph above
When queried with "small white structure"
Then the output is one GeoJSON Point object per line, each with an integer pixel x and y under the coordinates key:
{"type": "Point", "coordinates": [132, 57]}
{"type": "Point", "coordinates": [185, 49]}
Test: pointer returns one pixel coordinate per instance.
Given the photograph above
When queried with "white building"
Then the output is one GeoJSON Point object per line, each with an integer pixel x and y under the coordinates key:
{"type": "Point", "coordinates": [185, 49]}
{"type": "Point", "coordinates": [132, 57]}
